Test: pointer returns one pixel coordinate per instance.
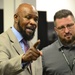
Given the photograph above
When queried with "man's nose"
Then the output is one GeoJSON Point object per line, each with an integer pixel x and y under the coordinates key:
{"type": "Point", "coordinates": [32, 21]}
{"type": "Point", "coordinates": [66, 29]}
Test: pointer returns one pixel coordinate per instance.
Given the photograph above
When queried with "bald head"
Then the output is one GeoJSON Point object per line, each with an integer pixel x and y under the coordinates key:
{"type": "Point", "coordinates": [25, 6]}
{"type": "Point", "coordinates": [26, 20]}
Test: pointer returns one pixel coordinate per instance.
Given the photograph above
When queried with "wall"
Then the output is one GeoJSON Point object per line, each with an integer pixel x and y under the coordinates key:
{"type": "Point", "coordinates": [1, 4]}
{"type": "Point", "coordinates": [1, 16]}
{"type": "Point", "coordinates": [54, 5]}
{"type": "Point", "coordinates": [33, 2]}
{"type": "Point", "coordinates": [8, 13]}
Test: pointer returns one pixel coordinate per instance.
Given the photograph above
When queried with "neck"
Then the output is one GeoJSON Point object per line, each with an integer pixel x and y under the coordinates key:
{"type": "Point", "coordinates": [68, 44]}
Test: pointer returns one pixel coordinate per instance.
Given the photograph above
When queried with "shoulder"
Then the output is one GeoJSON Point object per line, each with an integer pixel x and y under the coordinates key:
{"type": "Point", "coordinates": [5, 35]}
{"type": "Point", "coordinates": [50, 48]}
{"type": "Point", "coordinates": [51, 45]}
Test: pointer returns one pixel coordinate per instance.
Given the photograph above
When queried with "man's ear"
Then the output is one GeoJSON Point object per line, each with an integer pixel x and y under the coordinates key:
{"type": "Point", "coordinates": [15, 16]}
{"type": "Point", "coordinates": [56, 30]}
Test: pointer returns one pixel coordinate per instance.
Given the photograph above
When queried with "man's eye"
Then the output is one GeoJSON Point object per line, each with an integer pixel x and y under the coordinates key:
{"type": "Point", "coordinates": [28, 17]}
{"type": "Point", "coordinates": [36, 19]}
{"type": "Point", "coordinates": [60, 28]}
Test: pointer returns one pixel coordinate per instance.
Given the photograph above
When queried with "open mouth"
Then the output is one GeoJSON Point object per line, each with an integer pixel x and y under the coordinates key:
{"type": "Point", "coordinates": [30, 29]}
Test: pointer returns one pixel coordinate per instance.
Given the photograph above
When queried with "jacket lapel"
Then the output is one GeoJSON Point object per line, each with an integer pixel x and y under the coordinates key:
{"type": "Point", "coordinates": [17, 47]}
{"type": "Point", "coordinates": [33, 67]}
{"type": "Point", "coordinates": [14, 41]}
{"type": "Point", "coordinates": [37, 67]}
{"type": "Point", "coordinates": [19, 50]}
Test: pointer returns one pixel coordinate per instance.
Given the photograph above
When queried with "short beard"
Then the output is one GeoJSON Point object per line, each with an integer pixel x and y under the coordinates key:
{"type": "Point", "coordinates": [23, 33]}
{"type": "Point", "coordinates": [67, 42]}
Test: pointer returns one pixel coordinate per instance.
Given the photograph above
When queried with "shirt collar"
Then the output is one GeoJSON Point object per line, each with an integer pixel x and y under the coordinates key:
{"type": "Point", "coordinates": [61, 46]}
{"type": "Point", "coordinates": [17, 34]}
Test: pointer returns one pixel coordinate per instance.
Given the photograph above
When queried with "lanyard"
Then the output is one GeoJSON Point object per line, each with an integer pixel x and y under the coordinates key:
{"type": "Point", "coordinates": [71, 68]}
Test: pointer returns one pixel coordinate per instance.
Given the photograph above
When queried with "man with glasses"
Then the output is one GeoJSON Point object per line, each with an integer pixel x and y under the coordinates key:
{"type": "Point", "coordinates": [59, 57]}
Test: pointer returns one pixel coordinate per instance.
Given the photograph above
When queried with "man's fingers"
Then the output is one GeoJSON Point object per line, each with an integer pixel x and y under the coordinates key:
{"type": "Point", "coordinates": [41, 53]}
{"type": "Point", "coordinates": [36, 44]}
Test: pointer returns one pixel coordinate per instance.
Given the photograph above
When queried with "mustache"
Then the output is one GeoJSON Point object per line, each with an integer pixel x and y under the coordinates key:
{"type": "Point", "coordinates": [31, 28]}
{"type": "Point", "coordinates": [67, 34]}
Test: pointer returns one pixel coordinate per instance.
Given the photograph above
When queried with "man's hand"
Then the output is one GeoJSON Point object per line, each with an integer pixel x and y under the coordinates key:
{"type": "Point", "coordinates": [32, 53]}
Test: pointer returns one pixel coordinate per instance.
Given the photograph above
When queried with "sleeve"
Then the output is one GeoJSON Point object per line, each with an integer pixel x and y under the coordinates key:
{"type": "Point", "coordinates": [10, 64]}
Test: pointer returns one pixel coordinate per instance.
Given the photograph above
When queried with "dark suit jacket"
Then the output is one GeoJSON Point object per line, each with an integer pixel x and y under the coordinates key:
{"type": "Point", "coordinates": [10, 57]}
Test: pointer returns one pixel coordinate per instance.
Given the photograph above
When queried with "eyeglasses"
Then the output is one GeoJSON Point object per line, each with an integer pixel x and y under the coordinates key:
{"type": "Point", "coordinates": [68, 26]}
